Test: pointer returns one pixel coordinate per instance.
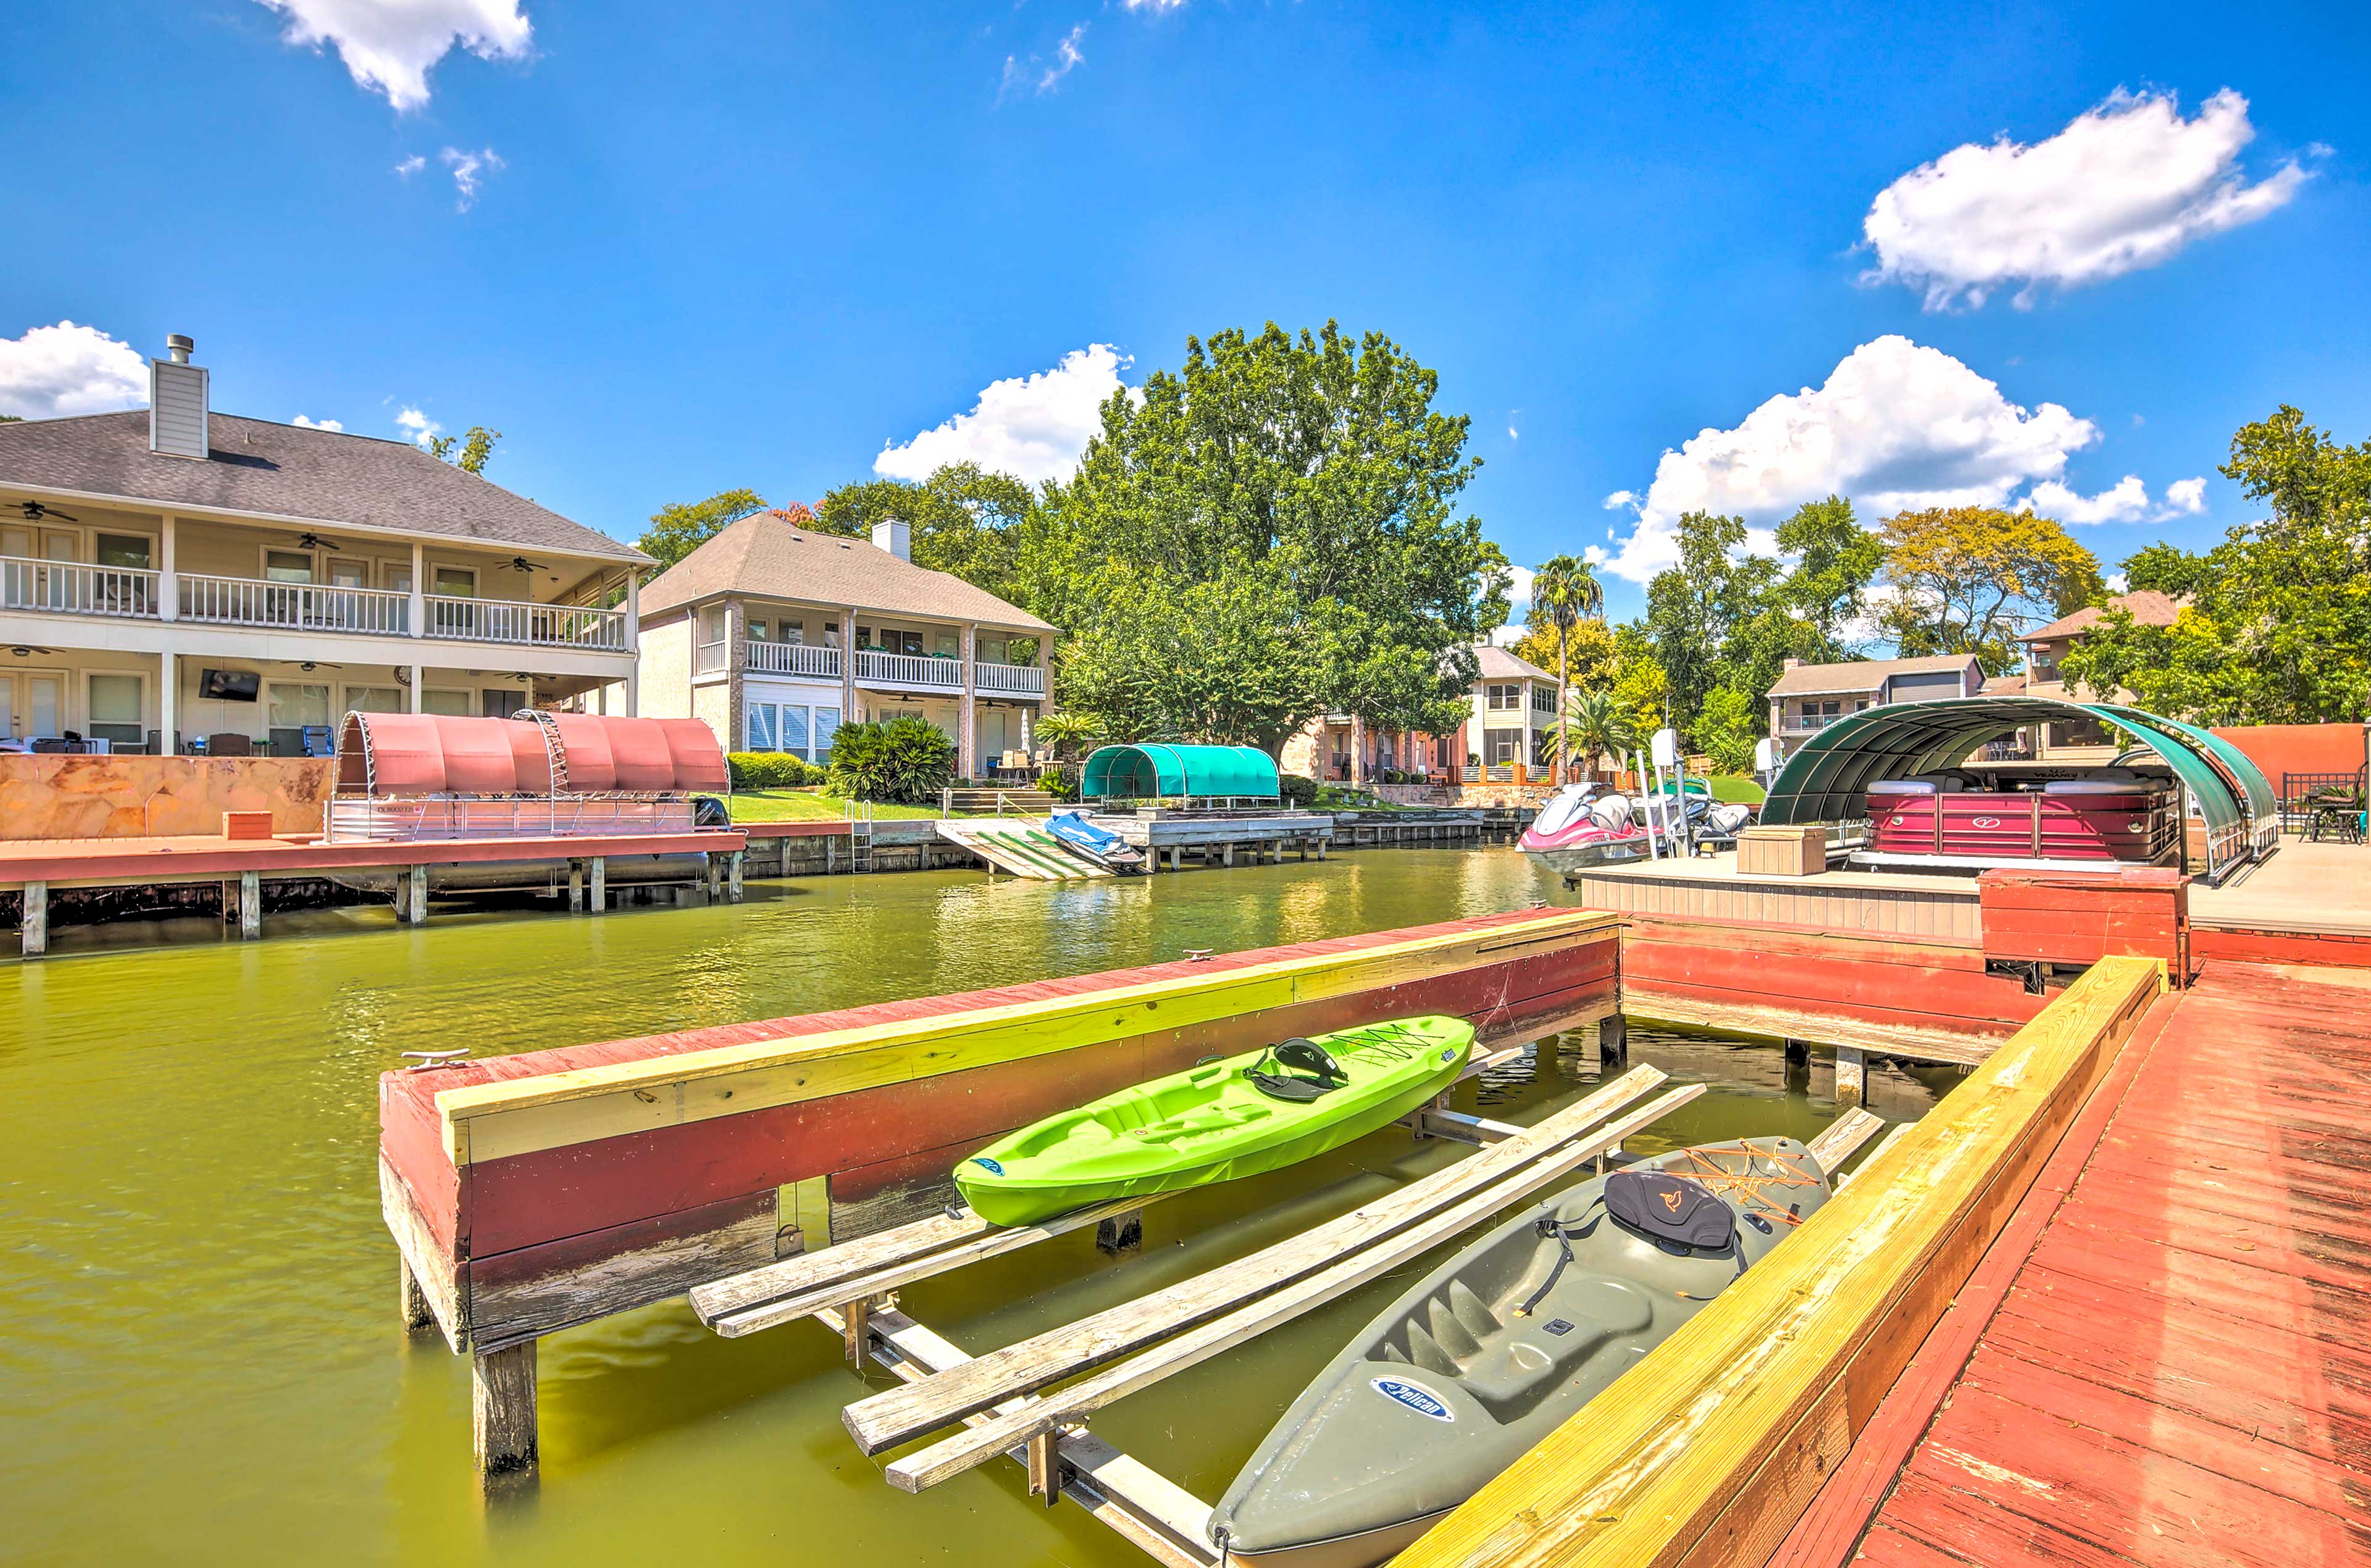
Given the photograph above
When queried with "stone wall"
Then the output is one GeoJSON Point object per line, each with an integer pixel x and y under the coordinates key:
{"type": "Point", "coordinates": [136, 797]}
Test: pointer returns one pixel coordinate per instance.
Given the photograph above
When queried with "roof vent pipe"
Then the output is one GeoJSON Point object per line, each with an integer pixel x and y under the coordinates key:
{"type": "Point", "coordinates": [894, 538]}
{"type": "Point", "coordinates": [177, 346]}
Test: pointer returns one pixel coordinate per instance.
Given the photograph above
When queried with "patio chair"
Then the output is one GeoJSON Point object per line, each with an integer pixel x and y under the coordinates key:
{"type": "Point", "coordinates": [230, 743]}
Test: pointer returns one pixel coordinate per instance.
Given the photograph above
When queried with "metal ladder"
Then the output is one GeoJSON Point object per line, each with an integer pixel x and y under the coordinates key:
{"type": "Point", "coordinates": [860, 836]}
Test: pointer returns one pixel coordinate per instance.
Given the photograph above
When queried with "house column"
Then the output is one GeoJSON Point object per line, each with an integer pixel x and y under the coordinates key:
{"type": "Point", "coordinates": [418, 672]}
{"type": "Point", "coordinates": [634, 694]}
{"type": "Point", "coordinates": [736, 654]}
{"type": "Point", "coordinates": [847, 667]}
{"type": "Point", "coordinates": [169, 684]}
{"type": "Point", "coordinates": [633, 607]}
{"type": "Point", "coordinates": [418, 610]}
{"type": "Point", "coordinates": [1357, 749]}
{"type": "Point", "coordinates": [1523, 696]}
{"type": "Point", "coordinates": [169, 580]}
{"type": "Point", "coordinates": [967, 715]}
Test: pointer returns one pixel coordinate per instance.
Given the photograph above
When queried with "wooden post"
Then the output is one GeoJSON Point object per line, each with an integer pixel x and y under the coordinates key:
{"type": "Point", "coordinates": [601, 884]}
{"type": "Point", "coordinates": [735, 875]}
{"type": "Point", "coordinates": [855, 1321]}
{"type": "Point", "coordinates": [250, 905]}
{"type": "Point", "coordinates": [502, 1409]}
{"type": "Point", "coordinates": [1227, 854]}
{"type": "Point", "coordinates": [419, 895]}
{"type": "Point", "coordinates": [1121, 1233]}
{"type": "Point", "coordinates": [715, 877]}
{"type": "Point", "coordinates": [1614, 1039]}
{"type": "Point", "coordinates": [36, 919]}
{"type": "Point", "coordinates": [575, 886]}
{"type": "Point", "coordinates": [1176, 856]}
{"type": "Point", "coordinates": [412, 1302]}
{"type": "Point", "coordinates": [1045, 1465]}
{"type": "Point", "coordinates": [1851, 1081]}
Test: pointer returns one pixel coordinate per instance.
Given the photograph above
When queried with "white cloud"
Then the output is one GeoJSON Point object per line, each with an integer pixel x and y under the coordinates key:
{"type": "Point", "coordinates": [467, 171]}
{"type": "Point", "coordinates": [411, 166]}
{"type": "Point", "coordinates": [1619, 500]}
{"type": "Point", "coordinates": [1067, 59]}
{"type": "Point", "coordinates": [2123, 187]}
{"type": "Point", "coordinates": [1033, 427]}
{"type": "Point", "coordinates": [1896, 426]}
{"type": "Point", "coordinates": [51, 372]}
{"type": "Point", "coordinates": [303, 423]}
{"type": "Point", "coordinates": [1155, 7]}
{"type": "Point", "coordinates": [2124, 503]}
{"type": "Point", "coordinates": [2118, 582]}
{"type": "Point", "coordinates": [1507, 635]}
{"type": "Point", "coordinates": [2186, 496]}
{"type": "Point", "coordinates": [417, 426]}
{"type": "Point", "coordinates": [1518, 592]}
{"type": "Point", "coordinates": [388, 45]}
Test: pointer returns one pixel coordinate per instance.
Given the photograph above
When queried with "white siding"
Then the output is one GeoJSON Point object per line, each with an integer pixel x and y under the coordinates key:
{"type": "Point", "coordinates": [177, 408]}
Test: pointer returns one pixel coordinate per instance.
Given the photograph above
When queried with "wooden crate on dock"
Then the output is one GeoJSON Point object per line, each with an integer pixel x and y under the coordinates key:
{"type": "Point", "coordinates": [1783, 851]}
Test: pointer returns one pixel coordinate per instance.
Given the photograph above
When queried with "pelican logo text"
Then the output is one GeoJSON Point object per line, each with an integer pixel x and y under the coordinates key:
{"type": "Point", "coordinates": [1420, 1401]}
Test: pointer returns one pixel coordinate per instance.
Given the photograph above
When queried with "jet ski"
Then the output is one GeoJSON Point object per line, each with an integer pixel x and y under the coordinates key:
{"type": "Point", "coordinates": [1097, 844]}
{"type": "Point", "coordinates": [1500, 1345]}
{"type": "Point", "coordinates": [1584, 825]}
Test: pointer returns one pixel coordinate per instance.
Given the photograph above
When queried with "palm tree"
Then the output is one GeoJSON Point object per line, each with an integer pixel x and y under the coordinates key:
{"type": "Point", "coordinates": [1593, 726]}
{"type": "Point", "coordinates": [1565, 589]}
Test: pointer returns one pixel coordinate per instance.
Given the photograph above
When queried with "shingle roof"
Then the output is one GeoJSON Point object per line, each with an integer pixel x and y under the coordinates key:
{"type": "Point", "coordinates": [1498, 665]}
{"type": "Point", "coordinates": [1861, 675]}
{"type": "Point", "coordinates": [2003, 686]}
{"type": "Point", "coordinates": [764, 555]}
{"type": "Point", "coordinates": [288, 473]}
{"type": "Point", "coordinates": [2149, 607]}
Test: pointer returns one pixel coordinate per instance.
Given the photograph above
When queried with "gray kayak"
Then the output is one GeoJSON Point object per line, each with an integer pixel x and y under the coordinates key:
{"type": "Point", "coordinates": [1501, 1345]}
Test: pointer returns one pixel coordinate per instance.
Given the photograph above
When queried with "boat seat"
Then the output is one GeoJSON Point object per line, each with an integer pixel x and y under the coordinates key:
{"type": "Point", "coordinates": [1513, 1369]}
{"type": "Point", "coordinates": [1671, 1208]}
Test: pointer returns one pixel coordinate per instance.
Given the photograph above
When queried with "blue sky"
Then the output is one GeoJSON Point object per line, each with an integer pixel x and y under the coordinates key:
{"type": "Point", "coordinates": [713, 247]}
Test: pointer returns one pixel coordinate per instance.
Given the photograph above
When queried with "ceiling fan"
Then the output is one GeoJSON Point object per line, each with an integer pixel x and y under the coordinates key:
{"type": "Point", "coordinates": [520, 563]}
{"type": "Point", "coordinates": [308, 540]}
{"type": "Point", "coordinates": [311, 664]}
{"type": "Point", "coordinates": [24, 651]}
{"type": "Point", "coordinates": [35, 513]}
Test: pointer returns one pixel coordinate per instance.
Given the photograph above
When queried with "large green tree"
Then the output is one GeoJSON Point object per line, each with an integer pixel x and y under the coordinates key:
{"type": "Point", "coordinates": [965, 520]}
{"type": "Point", "coordinates": [1969, 579]}
{"type": "Point", "coordinates": [677, 530]}
{"type": "Point", "coordinates": [1295, 494]}
{"type": "Point", "coordinates": [2277, 625]}
{"type": "Point", "coordinates": [1835, 561]}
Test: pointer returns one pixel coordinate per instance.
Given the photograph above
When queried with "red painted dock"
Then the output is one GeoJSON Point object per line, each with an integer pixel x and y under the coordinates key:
{"type": "Point", "coordinates": [2162, 1359]}
{"type": "Point", "coordinates": [85, 862]}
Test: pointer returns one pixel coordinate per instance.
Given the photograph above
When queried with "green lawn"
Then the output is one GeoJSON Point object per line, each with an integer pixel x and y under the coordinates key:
{"type": "Point", "coordinates": [807, 805]}
{"type": "Point", "coordinates": [1731, 787]}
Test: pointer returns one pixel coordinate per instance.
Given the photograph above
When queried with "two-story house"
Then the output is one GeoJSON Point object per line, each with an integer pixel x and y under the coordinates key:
{"type": "Point", "coordinates": [776, 635]}
{"type": "Point", "coordinates": [174, 577]}
{"type": "Point", "coordinates": [1807, 698]}
{"type": "Point", "coordinates": [2082, 739]}
{"type": "Point", "coordinates": [1511, 715]}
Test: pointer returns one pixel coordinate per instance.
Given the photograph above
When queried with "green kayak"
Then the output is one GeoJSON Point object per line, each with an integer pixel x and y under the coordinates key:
{"type": "Point", "coordinates": [1236, 1116]}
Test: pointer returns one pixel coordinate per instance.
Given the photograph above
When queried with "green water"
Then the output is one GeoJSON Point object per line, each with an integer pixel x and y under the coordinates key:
{"type": "Point", "coordinates": [198, 1356]}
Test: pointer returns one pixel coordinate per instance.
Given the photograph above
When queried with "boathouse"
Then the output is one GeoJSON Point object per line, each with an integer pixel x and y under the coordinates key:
{"type": "Point", "coordinates": [1162, 772]}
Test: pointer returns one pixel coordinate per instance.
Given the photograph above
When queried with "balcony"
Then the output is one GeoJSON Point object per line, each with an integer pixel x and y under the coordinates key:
{"type": "Point", "coordinates": [72, 588]}
{"type": "Point", "coordinates": [791, 659]}
{"type": "Point", "coordinates": [909, 672]}
{"type": "Point", "coordinates": [1009, 680]}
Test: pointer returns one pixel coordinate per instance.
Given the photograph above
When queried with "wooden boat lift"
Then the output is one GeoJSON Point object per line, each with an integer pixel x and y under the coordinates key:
{"type": "Point", "coordinates": [1006, 1402]}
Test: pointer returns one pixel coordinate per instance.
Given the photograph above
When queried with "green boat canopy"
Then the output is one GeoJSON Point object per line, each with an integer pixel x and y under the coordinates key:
{"type": "Point", "coordinates": [1828, 779]}
{"type": "Point", "coordinates": [1167, 772]}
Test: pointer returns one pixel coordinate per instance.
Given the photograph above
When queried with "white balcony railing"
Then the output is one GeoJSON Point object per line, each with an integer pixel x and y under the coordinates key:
{"type": "Point", "coordinates": [909, 672]}
{"type": "Point", "coordinates": [71, 588]}
{"type": "Point", "coordinates": [296, 607]}
{"type": "Point", "coordinates": [1009, 680]}
{"type": "Point", "coordinates": [532, 625]}
{"type": "Point", "coordinates": [791, 659]}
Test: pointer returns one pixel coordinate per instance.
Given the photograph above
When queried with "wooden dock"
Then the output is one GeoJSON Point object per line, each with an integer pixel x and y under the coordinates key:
{"type": "Point", "coordinates": [2162, 1360]}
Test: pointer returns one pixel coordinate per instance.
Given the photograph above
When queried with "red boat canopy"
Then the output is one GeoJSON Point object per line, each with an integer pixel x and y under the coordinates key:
{"type": "Point", "coordinates": [534, 753]}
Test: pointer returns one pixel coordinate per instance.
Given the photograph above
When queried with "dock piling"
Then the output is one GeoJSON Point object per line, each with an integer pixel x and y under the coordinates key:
{"type": "Point", "coordinates": [1851, 1076]}
{"type": "Point", "coordinates": [735, 865]}
{"type": "Point", "coordinates": [250, 905]}
{"type": "Point", "coordinates": [417, 895]}
{"type": "Point", "coordinates": [412, 1302]}
{"type": "Point", "coordinates": [601, 884]}
{"type": "Point", "coordinates": [36, 919]}
{"type": "Point", "coordinates": [501, 1410]}
{"type": "Point", "coordinates": [1613, 1040]}
{"type": "Point", "coordinates": [1121, 1233]}
{"type": "Point", "coordinates": [575, 887]}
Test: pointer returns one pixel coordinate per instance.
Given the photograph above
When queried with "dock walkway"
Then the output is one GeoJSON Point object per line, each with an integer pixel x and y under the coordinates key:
{"type": "Point", "coordinates": [2162, 1359]}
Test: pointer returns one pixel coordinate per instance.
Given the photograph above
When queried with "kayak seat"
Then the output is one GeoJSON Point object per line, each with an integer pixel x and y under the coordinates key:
{"type": "Point", "coordinates": [1671, 1208]}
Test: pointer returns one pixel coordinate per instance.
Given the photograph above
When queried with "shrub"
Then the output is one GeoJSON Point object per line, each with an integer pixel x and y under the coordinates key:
{"type": "Point", "coordinates": [771, 771]}
{"type": "Point", "coordinates": [1062, 783]}
{"type": "Point", "coordinates": [1298, 792]}
{"type": "Point", "coordinates": [903, 761]}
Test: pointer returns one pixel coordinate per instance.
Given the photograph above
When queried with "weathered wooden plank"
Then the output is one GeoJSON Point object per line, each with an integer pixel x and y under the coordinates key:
{"type": "Point", "coordinates": [967, 1450]}
{"type": "Point", "coordinates": [490, 1121]}
{"type": "Point", "coordinates": [888, 1419]}
{"type": "Point", "coordinates": [502, 1409]}
{"type": "Point", "coordinates": [1699, 1011]}
{"type": "Point", "coordinates": [1842, 1138]}
{"type": "Point", "coordinates": [1707, 1450]}
{"type": "Point", "coordinates": [537, 1290]}
{"type": "Point", "coordinates": [443, 1288]}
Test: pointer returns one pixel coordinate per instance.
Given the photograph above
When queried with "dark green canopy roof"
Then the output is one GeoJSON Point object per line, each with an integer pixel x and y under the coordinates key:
{"type": "Point", "coordinates": [1165, 772]}
{"type": "Point", "coordinates": [1828, 779]}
